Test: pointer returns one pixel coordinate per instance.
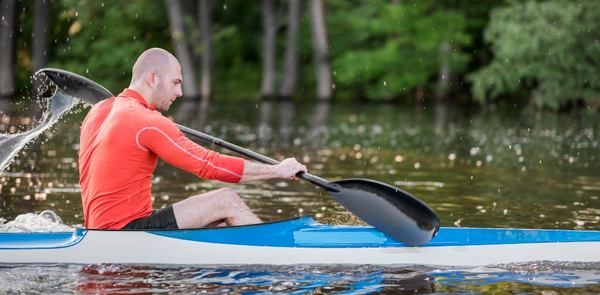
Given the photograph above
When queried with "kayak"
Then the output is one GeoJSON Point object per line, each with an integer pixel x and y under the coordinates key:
{"type": "Point", "coordinates": [299, 241]}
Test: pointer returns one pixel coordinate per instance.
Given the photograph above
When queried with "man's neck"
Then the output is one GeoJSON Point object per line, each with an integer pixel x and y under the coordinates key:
{"type": "Point", "coordinates": [143, 91]}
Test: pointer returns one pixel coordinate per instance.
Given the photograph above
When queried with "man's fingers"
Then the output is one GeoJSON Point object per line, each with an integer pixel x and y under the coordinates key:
{"type": "Point", "coordinates": [291, 166]}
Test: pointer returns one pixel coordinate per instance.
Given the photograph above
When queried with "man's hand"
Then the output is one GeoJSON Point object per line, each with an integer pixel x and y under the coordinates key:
{"type": "Point", "coordinates": [285, 169]}
{"type": "Point", "coordinates": [288, 168]}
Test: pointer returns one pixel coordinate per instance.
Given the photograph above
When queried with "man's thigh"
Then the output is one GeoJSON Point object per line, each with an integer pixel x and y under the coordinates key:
{"type": "Point", "coordinates": [203, 210]}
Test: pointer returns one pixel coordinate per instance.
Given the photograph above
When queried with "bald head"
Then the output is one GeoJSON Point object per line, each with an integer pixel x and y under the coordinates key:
{"type": "Point", "coordinates": [157, 77]}
{"type": "Point", "coordinates": [155, 60]}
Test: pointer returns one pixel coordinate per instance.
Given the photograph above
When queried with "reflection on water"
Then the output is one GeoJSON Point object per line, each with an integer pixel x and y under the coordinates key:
{"type": "Point", "coordinates": [298, 279]}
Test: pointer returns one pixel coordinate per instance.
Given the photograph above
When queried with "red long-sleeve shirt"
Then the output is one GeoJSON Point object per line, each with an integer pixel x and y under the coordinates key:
{"type": "Point", "coordinates": [121, 139]}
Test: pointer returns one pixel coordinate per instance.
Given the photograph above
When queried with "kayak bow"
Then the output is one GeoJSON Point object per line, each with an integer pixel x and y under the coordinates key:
{"type": "Point", "coordinates": [299, 241]}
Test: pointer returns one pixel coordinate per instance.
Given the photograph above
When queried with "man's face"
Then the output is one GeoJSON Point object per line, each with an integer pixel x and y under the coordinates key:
{"type": "Point", "coordinates": [168, 87]}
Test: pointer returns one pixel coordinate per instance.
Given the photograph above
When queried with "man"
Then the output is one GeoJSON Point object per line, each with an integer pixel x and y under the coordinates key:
{"type": "Point", "coordinates": [121, 139]}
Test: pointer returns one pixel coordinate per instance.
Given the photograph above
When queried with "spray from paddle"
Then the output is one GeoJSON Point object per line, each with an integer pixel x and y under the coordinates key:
{"type": "Point", "coordinates": [11, 144]}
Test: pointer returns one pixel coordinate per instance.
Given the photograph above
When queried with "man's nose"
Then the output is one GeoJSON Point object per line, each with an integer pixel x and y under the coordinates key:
{"type": "Point", "coordinates": [178, 91]}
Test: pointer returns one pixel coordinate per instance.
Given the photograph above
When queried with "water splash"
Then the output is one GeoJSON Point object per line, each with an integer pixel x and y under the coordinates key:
{"type": "Point", "coordinates": [45, 221]}
{"type": "Point", "coordinates": [11, 144]}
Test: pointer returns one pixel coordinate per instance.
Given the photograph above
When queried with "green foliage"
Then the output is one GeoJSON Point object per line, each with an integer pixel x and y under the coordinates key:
{"type": "Point", "coordinates": [379, 49]}
{"type": "Point", "coordinates": [383, 50]}
{"type": "Point", "coordinates": [104, 39]}
{"type": "Point", "coordinates": [371, 43]}
{"type": "Point", "coordinates": [550, 48]}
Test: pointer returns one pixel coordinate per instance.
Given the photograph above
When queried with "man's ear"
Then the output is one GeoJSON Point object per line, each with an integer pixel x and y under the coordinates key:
{"type": "Point", "coordinates": [152, 79]}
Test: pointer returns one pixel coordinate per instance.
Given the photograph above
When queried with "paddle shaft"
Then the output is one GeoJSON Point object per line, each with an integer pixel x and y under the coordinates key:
{"type": "Point", "coordinates": [316, 180]}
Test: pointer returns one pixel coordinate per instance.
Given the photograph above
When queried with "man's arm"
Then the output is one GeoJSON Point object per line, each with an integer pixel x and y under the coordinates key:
{"type": "Point", "coordinates": [169, 143]}
{"type": "Point", "coordinates": [286, 169]}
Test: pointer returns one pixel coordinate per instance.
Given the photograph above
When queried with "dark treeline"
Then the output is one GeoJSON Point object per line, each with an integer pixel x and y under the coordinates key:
{"type": "Point", "coordinates": [545, 53]}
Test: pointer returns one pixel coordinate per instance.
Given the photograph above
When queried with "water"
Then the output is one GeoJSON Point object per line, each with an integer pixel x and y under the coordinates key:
{"type": "Point", "coordinates": [487, 168]}
{"type": "Point", "coordinates": [298, 279]}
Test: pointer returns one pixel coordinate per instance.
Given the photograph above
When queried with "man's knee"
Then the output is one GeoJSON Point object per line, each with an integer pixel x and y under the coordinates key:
{"type": "Point", "coordinates": [231, 200]}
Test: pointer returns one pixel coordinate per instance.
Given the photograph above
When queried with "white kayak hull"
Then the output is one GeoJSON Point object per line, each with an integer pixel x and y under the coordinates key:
{"type": "Point", "coordinates": [298, 241]}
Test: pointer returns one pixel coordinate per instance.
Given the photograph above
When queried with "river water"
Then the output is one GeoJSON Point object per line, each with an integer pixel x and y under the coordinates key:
{"type": "Point", "coordinates": [499, 167]}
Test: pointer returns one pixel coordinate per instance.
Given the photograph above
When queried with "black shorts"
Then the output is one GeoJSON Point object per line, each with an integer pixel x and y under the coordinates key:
{"type": "Point", "coordinates": [159, 219]}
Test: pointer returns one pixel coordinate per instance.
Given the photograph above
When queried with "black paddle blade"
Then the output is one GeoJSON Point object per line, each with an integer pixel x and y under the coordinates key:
{"type": "Point", "coordinates": [391, 210]}
{"type": "Point", "coordinates": [77, 86]}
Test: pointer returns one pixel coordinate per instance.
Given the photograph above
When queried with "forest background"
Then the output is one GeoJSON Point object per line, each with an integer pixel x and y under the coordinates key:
{"type": "Point", "coordinates": [543, 54]}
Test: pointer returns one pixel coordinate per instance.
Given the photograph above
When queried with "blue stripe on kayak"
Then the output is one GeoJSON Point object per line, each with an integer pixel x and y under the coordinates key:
{"type": "Point", "coordinates": [305, 232]}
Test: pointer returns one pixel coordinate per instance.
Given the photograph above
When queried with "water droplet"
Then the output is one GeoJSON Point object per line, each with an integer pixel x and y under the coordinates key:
{"type": "Point", "coordinates": [40, 196]}
{"type": "Point", "coordinates": [452, 156]}
{"type": "Point", "coordinates": [474, 151]}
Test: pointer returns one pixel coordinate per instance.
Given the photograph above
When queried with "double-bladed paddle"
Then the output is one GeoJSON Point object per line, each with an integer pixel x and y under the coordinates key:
{"type": "Point", "coordinates": [387, 208]}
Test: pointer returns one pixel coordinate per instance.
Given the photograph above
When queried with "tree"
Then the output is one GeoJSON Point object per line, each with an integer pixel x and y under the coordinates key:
{"type": "Point", "coordinates": [40, 35]}
{"type": "Point", "coordinates": [178, 34]}
{"type": "Point", "coordinates": [41, 21]}
{"type": "Point", "coordinates": [321, 50]}
{"type": "Point", "coordinates": [8, 38]}
{"type": "Point", "coordinates": [206, 44]}
{"type": "Point", "coordinates": [268, 61]}
{"type": "Point", "coordinates": [549, 49]}
{"type": "Point", "coordinates": [290, 66]}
